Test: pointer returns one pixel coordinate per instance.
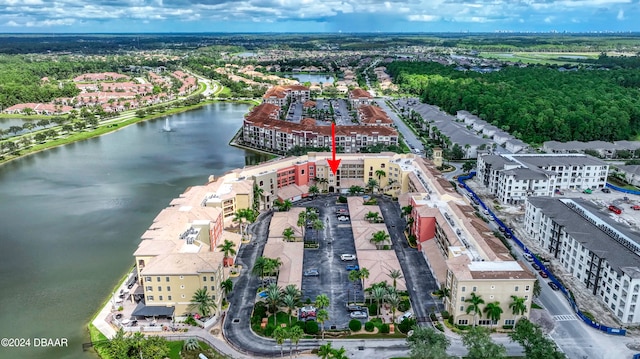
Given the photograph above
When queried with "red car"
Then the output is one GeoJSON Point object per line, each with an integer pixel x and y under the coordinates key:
{"type": "Point", "coordinates": [615, 209]}
{"type": "Point", "coordinates": [543, 274]}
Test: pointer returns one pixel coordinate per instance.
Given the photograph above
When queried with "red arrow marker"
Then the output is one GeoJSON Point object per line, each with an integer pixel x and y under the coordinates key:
{"type": "Point", "coordinates": [334, 164]}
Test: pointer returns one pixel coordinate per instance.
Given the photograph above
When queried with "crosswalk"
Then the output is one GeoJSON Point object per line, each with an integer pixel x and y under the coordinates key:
{"type": "Point", "coordinates": [564, 317]}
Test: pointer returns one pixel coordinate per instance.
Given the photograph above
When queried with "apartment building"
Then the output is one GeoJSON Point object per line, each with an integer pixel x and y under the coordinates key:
{"type": "Point", "coordinates": [280, 95]}
{"type": "Point", "coordinates": [513, 178]}
{"type": "Point", "coordinates": [461, 251]}
{"type": "Point", "coordinates": [359, 97]}
{"type": "Point", "coordinates": [262, 129]}
{"type": "Point", "coordinates": [592, 247]}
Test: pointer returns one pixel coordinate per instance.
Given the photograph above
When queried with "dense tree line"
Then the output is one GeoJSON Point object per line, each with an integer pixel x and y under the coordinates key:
{"type": "Point", "coordinates": [535, 103]}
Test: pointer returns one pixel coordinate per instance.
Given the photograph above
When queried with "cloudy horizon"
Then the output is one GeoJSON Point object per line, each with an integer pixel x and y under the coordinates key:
{"type": "Point", "coordinates": [307, 16]}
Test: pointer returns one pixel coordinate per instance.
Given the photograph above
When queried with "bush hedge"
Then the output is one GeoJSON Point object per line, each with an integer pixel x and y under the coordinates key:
{"type": "Point", "coordinates": [311, 327]}
{"type": "Point", "coordinates": [384, 329]}
{"type": "Point", "coordinates": [368, 326]}
{"type": "Point", "coordinates": [355, 325]}
{"type": "Point", "coordinates": [406, 325]}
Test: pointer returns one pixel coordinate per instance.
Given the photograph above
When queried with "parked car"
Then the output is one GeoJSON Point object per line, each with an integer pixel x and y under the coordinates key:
{"type": "Point", "coordinates": [502, 229]}
{"type": "Point", "coordinates": [355, 308]}
{"type": "Point", "coordinates": [615, 209]}
{"type": "Point", "coordinates": [587, 191]}
{"type": "Point", "coordinates": [358, 315]}
{"type": "Point", "coordinates": [528, 257]}
{"type": "Point", "coordinates": [312, 272]}
{"type": "Point", "coordinates": [507, 235]}
{"type": "Point", "coordinates": [343, 218]}
{"type": "Point", "coordinates": [606, 190]}
{"type": "Point", "coordinates": [543, 274]}
{"type": "Point", "coordinates": [348, 257]}
{"type": "Point", "coordinates": [553, 286]}
{"type": "Point", "coordinates": [636, 207]}
{"type": "Point", "coordinates": [535, 266]}
{"type": "Point", "coordinates": [351, 267]}
{"type": "Point", "coordinates": [407, 315]}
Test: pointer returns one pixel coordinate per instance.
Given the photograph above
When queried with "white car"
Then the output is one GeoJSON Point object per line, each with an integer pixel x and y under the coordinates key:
{"type": "Point", "coordinates": [348, 257]}
{"type": "Point", "coordinates": [343, 218]}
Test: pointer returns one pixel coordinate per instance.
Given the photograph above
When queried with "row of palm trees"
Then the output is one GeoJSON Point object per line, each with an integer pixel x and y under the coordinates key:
{"type": "Point", "coordinates": [310, 215]}
{"type": "Point", "coordinates": [379, 238]}
{"type": "Point", "coordinates": [294, 334]}
{"type": "Point", "coordinates": [244, 217]}
{"type": "Point", "coordinates": [493, 310]}
{"type": "Point", "coordinates": [266, 266]}
{"type": "Point", "coordinates": [203, 302]}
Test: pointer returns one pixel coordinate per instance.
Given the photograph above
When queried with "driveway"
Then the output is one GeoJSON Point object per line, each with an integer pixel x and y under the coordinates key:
{"type": "Point", "coordinates": [420, 281]}
{"type": "Point", "coordinates": [409, 137]}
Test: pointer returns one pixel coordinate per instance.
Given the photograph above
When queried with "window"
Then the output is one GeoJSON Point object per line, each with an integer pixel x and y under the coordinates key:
{"type": "Point", "coordinates": [166, 279]}
{"type": "Point", "coordinates": [463, 289]}
{"type": "Point", "coordinates": [462, 308]}
{"type": "Point", "coordinates": [150, 298]}
{"type": "Point", "coordinates": [516, 288]}
{"type": "Point", "coordinates": [302, 172]}
{"type": "Point", "coordinates": [213, 288]}
{"type": "Point", "coordinates": [462, 299]}
{"type": "Point", "coordinates": [168, 288]}
{"type": "Point", "coordinates": [204, 279]}
{"type": "Point", "coordinates": [147, 279]}
{"type": "Point", "coordinates": [159, 289]}
{"type": "Point", "coordinates": [491, 297]}
{"type": "Point", "coordinates": [493, 287]}
{"type": "Point", "coordinates": [212, 278]}
{"type": "Point", "coordinates": [526, 288]}
{"type": "Point", "coordinates": [181, 277]}
{"type": "Point", "coordinates": [149, 288]}
{"type": "Point", "coordinates": [509, 322]}
{"type": "Point", "coordinates": [168, 297]}
{"type": "Point", "coordinates": [463, 321]}
{"type": "Point", "coordinates": [158, 278]}
{"type": "Point", "coordinates": [182, 296]}
{"type": "Point", "coordinates": [182, 287]}
{"type": "Point", "coordinates": [159, 297]}
{"type": "Point", "coordinates": [474, 289]}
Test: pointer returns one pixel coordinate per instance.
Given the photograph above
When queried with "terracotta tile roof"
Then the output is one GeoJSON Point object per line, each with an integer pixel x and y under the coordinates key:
{"type": "Point", "coordinates": [359, 93]}
{"type": "Point", "coordinates": [309, 103]}
{"type": "Point", "coordinates": [373, 115]}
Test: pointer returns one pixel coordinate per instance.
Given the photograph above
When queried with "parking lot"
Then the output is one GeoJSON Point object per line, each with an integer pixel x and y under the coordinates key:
{"type": "Point", "coordinates": [333, 278]}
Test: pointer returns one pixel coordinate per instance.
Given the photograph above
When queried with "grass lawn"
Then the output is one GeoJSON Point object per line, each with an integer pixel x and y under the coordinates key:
{"type": "Point", "coordinates": [618, 183]}
{"type": "Point", "coordinates": [376, 336]}
{"type": "Point", "coordinates": [557, 58]}
{"type": "Point", "coordinates": [175, 348]}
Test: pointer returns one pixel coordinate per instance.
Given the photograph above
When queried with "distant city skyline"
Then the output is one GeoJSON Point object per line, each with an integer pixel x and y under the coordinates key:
{"type": "Point", "coordinates": [132, 16]}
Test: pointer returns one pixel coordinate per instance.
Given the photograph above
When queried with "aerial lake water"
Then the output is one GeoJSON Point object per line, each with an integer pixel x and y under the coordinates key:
{"type": "Point", "coordinates": [73, 215]}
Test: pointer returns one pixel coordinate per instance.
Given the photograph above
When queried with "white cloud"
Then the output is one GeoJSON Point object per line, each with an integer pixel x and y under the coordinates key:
{"type": "Point", "coordinates": [548, 19]}
{"type": "Point", "coordinates": [620, 15]}
{"type": "Point", "coordinates": [423, 17]}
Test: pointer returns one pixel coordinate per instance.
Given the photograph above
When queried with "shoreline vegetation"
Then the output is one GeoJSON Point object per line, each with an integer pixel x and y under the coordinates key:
{"type": "Point", "coordinates": [108, 126]}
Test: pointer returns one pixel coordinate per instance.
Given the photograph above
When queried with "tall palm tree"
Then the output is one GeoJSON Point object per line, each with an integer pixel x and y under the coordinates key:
{"type": "Point", "coordinates": [379, 237]}
{"type": "Point", "coordinates": [202, 302]}
{"type": "Point", "coordinates": [280, 334]}
{"type": "Point", "coordinates": [371, 184]}
{"type": "Point", "coordinates": [324, 182]}
{"type": "Point", "coordinates": [474, 307]}
{"type": "Point", "coordinates": [493, 311]}
{"type": "Point", "coordinates": [339, 353]}
{"type": "Point", "coordinates": [380, 174]}
{"type": "Point", "coordinates": [288, 234]}
{"type": "Point", "coordinates": [321, 317]}
{"type": "Point", "coordinates": [322, 301]}
{"type": "Point", "coordinates": [353, 277]}
{"type": "Point", "coordinates": [355, 190]}
{"type": "Point", "coordinates": [302, 222]}
{"type": "Point", "coordinates": [227, 247]}
{"type": "Point", "coordinates": [394, 301]}
{"type": "Point", "coordinates": [238, 217]}
{"type": "Point", "coordinates": [395, 274]}
{"type": "Point", "coordinates": [292, 290]}
{"type": "Point", "coordinates": [363, 274]}
{"type": "Point", "coordinates": [314, 190]}
{"type": "Point", "coordinates": [378, 294]}
{"type": "Point", "coordinates": [250, 216]}
{"type": "Point", "coordinates": [273, 266]}
{"type": "Point", "coordinates": [260, 266]}
{"type": "Point", "coordinates": [317, 225]}
{"type": "Point", "coordinates": [274, 298]}
{"type": "Point", "coordinates": [227, 286]}
{"type": "Point", "coordinates": [517, 306]}
{"type": "Point", "coordinates": [295, 334]}
{"type": "Point", "coordinates": [291, 303]}
{"type": "Point", "coordinates": [257, 196]}
{"type": "Point", "coordinates": [406, 210]}
{"type": "Point", "coordinates": [286, 205]}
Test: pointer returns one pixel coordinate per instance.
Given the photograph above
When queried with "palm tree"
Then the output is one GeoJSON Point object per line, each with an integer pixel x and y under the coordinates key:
{"type": "Point", "coordinates": [394, 301]}
{"type": "Point", "coordinates": [295, 334]}
{"type": "Point", "coordinates": [227, 247]}
{"type": "Point", "coordinates": [317, 225]}
{"type": "Point", "coordinates": [322, 301]}
{"type": "Point", "coordinates": [406, 210]}
{"type": "Point", "coordinates": [475, 301]}
{"type": "Point", "coordinates": [493, 311]}
{"type": "Point", "coordinates": [379, 237]}
{"type": "Point", "coordinates": [288, 234]}
{"type": "Point", "coordinates": [238, 217]}
{"type": "Point", "coordinates": [378, 294]}
{"type": "Point", "coordinates": [202, 302]}
{"type": "Point", "coordinates": [371, 184]}
{"type": "Point", "coordinates": [355, 190]}
{"type": "Point", "coordinates": [251, 216]}
{"type": "Point", "coordinates": [325, 351]}
{"type": "Point", "coordinates": [227, 286]}
{"type": "Point", "coordinates": [302, 222]}
{"type": "Point", "coordinates": [314, 190]}
{"type": "Point", "coordinates": [273, 266]}
{"type": "Point", "coordinates": [191, 344]}
{"type": "Point", "coordinates": [321, 317]}
{"type": "Point", "coordinates": [323, 181]}
{"type": "Point", "coordinates": [259, 268]}
{"type": "Point", "coordinates": [285, 205]}
{"type": "Point", "coordinates": [380, 174]}
{"type": "Point", "coordinates": [257, 196]}
{"type": "Point", "coordinates": [280, 334]}
{"type": "Point", "coordinates": [339, 353]}
{"type": "Point", "coordinates": [274, 298]}
{"type": "Point", "coordinates": [363, 274]}
{"type": "Point", "coordinates": [517, 306]}
{"type": "Point", "coordinates": [292, 290]}
{"type": "Point", "coordinates": [291, 303]}
{"type": "Point", "coordinates": [353, 277]}
{"type": "Point", "coordinates": [372, 216]}
{"type": "Point", "coordinates": [395, 274]}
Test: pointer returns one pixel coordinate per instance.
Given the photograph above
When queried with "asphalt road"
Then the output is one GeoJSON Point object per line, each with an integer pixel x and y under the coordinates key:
{"type": "Point", "coordinates": [409, 137]}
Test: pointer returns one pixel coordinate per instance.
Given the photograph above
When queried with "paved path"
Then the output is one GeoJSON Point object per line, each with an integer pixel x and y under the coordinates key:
{"type": "Point", "coordinates": [409, 137]}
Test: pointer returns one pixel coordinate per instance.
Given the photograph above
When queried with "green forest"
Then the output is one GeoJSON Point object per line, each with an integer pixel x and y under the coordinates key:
{"type": "Point", "coordinates": [535, 103]}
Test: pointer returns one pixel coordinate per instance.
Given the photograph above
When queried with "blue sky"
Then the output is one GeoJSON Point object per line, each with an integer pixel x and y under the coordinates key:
{"type": "Point", "coordinates": [56, 16]}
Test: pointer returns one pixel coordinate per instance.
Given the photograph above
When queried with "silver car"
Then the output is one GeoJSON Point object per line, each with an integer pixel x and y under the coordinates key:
{"type": "Point", "coordinates": [312, 272]}
{"type": "Point", "coordinates": [358, 315]}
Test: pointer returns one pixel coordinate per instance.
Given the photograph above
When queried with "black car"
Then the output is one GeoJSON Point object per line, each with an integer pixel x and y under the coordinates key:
{"type": "Point", "coordinates": [606, 190]}
{"type": "Point", "coordinates": [553, 286]}
{"type": "Point", "coordinates": [535, 266]}
{"type": "Point", "coordinates": [507, 235]}
{"type": "Point", "coordinates": [355, 308]}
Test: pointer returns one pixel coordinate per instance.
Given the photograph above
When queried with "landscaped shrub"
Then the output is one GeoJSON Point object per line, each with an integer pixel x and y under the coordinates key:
{"type": "Point", "coordinates": [190, 321]}
{"type": "Point", "coordinates": [384, 329]}
{"type": "Point", "coordinates": [406, 325]}
{"type": "Point", "coordinates": [445, 314]}
{"type": "Point", "coordinates": [260, 310]}
{"type": "Point", "coordinates": [311, 327]}
{"type": "Point", "coordinates": [373, 308]}
{"type": "Point", "coordinates": [439, 326]}
{"type": "Point", "coordinates": [433, 317]}
{"type": "Point", "coordinates": [342, 199]}
{"type": "Point", "coordinates": [355, 325]}
{"type": "Point", "coordinates": [450, 320]}
{"type": "Point", "coordinates": [507, 327]}
{"type": "Point", "coordinates": [268, 330]}
{"type": "Point", "coordinates": [368, 326]}
{"type": "Point", "coordinates": [404, 305]}
{"type": "Point", "coordinates": [386, 247]}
